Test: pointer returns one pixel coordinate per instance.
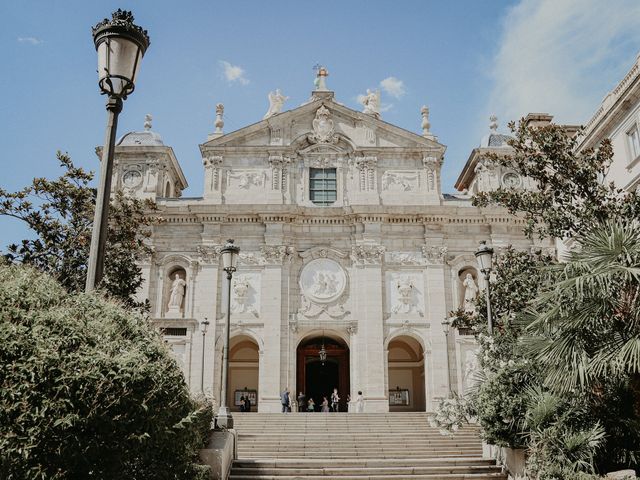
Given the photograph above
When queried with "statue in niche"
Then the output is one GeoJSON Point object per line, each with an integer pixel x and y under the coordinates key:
{"type": "Point", "coordinates": [405, 294]}
{"type": "Point", "coordinates": [471, 367]}
{"type": "Point", "coordinates": [470, 293]}
{"type": "Point", "coordinates": [276, 101]}
{"type": "Point", "coordinates": [371, 102]}
{"type": "Point", "coordinates": [177, 293]}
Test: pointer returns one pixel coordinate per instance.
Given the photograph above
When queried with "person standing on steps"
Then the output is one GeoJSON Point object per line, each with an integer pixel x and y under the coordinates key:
{"type": "Point", "coordinates": [359, 403]}
{"type": "Point", "coordinates": [243, 405]}
{"type": "Point", "coordinates": [335, 399]}
{"type": "Point", "coordinates": [325, 405]}
{"type": "Point", "coordinates": [311, 406]}
{"type": "Point", "coordinates": [247, 404]}
{"type": "Point", "coordinates": [285, 400]}
{"type": "Point", "coordinates": [302, 402]}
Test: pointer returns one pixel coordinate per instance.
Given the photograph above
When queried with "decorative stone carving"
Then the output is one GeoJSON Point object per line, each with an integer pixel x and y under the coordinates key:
{"type": "Point", "coordinates": [371, 102]}
{"type": "Point", "coordinates": [431, 165]}
{"type": "Point", "coordinates": [219, 123]}
{"type": "Point", "coordinates": [369, 134]}
{"type": "Point", "coordinates": [243, 300]}
{"type": "Point", "coordinates": [323, 283]}
{"type": "Point", "coordinates": [323, 127]}
{"type": "Point", "coordinates": [470, 293]}
{"type": "Point", "coordinates": [323, 280]}
{"type": "Point", "coordinates": [426, 124]}
{"type": "Point", "coordinates": [279, 165]}
{"type": "Point", "coordinates": [276, 254]}
{"type": "Point", "coordinates": [276, 135]}
{"type": "Point", "coordinates": [212, 166]}
{"type": "Point", "coordinates": [404, 296]}
{"type": "Point", "coordinates": [471, 367]}
{"type": "Point", "coordinates": [367, 172]}
{"type": "Point", "coordinates": [132, 178]}
{"type": "Point", "coordinates": [367, 254]}
{"type": "Point", "coordinates": [485, 170]}
{"type": "Point", "coordinates": [403, 258]}
{"type": "Point", "coordinates": [400, 181]}
{"type": "Point", "coordinates": [511, 180]}
{"type": "Point", "coordinates": [276, 101]}
{"type": "Point", "coordinates": [352, 328]}
{"type": "Point", "coordinates": [246, 179]}
{"type": "Point", "coordinates": [208, 253]}
{"type": "Point", "coordinates": [176, 294]}
{"type": "Point", "coordinates": [434, 254]}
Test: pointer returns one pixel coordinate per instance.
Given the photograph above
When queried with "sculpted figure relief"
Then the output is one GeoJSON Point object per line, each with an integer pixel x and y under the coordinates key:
{"type": "Point", "coordinates": [470, 293]}
{"type": "Point", "coordinates": [177, 293]}
{"type": "Point", "coordinates": [323, 127]}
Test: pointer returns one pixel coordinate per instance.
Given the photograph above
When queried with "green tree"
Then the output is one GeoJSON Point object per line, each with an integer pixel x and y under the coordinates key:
{"type": "Point", "coordinates": [60, 214]}
{"type": "Point", "coordinates": [571, 193]}
{"type": "Point", "coordinates": [89, 390]}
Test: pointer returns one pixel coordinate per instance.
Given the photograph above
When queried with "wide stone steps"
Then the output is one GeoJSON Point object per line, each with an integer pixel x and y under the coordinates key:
{"type": "Point", "coordinates": [355, 447]}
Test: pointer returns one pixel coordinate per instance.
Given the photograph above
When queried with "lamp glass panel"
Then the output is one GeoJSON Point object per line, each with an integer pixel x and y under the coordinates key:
{"type": "Point", "coordinates": [484, 260]}
{"type": "Point", "coordinates": [226, 259]}
{"type": "Point", "coordinates": [234, 259]}
{"type": "Point", "coordinates": [120, 57]}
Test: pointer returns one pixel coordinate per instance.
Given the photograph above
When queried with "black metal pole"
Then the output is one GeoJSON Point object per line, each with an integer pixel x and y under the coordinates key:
{"type": "Point", "coordinates": [488, 298]}
{"type": "Point", "coordinates": [202, 369]}
{"type": "Point", "coordinates": [95, 266]}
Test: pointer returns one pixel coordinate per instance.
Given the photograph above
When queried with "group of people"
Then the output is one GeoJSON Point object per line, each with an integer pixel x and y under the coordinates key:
{"type": "Point", "coordinates": [331, 404]}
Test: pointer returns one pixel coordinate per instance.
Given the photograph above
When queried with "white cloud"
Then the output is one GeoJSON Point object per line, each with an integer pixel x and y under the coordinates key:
{"type": "Point", "coordinates": [393, 87]}
{"type": "Point", "coordinates": [234, 73]}
{"type": "Point", "coordinates": [29, 40]}
{"type": "Point", "coordinates": [561, 56]}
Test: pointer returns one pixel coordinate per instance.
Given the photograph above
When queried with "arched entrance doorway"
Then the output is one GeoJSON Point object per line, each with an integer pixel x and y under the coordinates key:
{"type": "Point", "coordinates": [406, 375]}
{"type": "Point", "coordinates": [243, 371]}
{"type": "Point", "coordinates": [317, 378]}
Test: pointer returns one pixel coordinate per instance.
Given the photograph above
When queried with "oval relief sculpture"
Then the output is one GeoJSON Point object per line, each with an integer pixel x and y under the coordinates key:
{"type": "Point", "coordinates": [323, 280]}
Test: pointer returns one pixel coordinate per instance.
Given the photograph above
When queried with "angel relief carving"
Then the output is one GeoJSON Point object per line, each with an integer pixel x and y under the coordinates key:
{"type": "Point", "coordinates": [323, 283]}
{"type": "Point", "coordinates": [246, 179]}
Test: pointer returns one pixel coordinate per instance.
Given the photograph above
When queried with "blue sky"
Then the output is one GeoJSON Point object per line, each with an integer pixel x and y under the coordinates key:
{"type": "Point", "coordinates": [464, 59]}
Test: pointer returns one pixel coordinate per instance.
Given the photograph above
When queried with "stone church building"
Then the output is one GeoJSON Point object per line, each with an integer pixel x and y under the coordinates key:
{"type": "Point", "coordinates": [348, 245]}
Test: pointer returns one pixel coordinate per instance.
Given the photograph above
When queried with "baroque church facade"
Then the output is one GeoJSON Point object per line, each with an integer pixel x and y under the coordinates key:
{"type": "Point", "coordinates": [348, 246]}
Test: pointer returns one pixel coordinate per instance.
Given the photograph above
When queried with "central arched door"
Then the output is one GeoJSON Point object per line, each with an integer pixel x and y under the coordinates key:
{"type": "Point", "coordinates": [317, 378]}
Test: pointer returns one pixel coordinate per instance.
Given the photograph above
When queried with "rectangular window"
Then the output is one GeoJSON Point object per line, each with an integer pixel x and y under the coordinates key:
{"type": "Point", "coordinates": [633, 139]}
{"type": "Point", "coordinates": [322, 186]}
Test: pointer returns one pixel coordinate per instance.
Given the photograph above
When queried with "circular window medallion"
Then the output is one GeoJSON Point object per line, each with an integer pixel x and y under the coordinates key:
{"type": "Point", "coordinates": [323, 280]}
{"type": "Point", "coordinates": [132, 178]}
{"type": "Point", "coordinates": [511, 180]}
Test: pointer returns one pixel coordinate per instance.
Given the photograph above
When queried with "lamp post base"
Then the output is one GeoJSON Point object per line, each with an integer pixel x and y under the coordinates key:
{"type": "Point", "coordinates": [224, 419]}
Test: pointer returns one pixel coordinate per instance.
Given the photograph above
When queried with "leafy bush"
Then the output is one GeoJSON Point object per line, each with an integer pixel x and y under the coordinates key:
{"type": "Point", "coordinates": [89, 390]}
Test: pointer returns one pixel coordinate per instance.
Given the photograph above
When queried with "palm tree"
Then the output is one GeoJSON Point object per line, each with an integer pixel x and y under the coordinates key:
{"type": "Point", "coordinates": [586, 327]}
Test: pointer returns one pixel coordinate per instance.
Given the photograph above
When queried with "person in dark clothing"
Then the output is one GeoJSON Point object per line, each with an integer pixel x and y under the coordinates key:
{"type": "Point", "coordinates": [302, 402]}
{"type": "Point", "coordinates": [286, 401]}
{"type": "Point", "coordinates": [247, 404]}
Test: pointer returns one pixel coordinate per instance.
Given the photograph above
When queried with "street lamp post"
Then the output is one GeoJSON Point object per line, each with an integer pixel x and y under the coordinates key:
{"type": "Point", "coordinates": [446, 327]}
{"type": "Point", "coordinates": [484, 255]}
{"type": "Point", "coordinates": [203, 328]}
{"type": "Point", "coordinates": [229, 256]}
{"type": "Point", "coordinates": [120, 45]}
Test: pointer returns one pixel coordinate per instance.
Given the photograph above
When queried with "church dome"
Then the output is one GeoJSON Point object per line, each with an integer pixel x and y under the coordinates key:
{"type": "Point", "coordinates": [147, 138]}
{"type": "Point", "coordinates": [494, 139]}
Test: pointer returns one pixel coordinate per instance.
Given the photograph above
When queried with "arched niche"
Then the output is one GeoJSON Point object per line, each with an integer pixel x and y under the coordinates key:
{"type": "Point", "coordinates": [244, 371]}
{"type": "Point", "coordinates": [175, 291]}
{"type": "Point", "coordinates": [167, 190]}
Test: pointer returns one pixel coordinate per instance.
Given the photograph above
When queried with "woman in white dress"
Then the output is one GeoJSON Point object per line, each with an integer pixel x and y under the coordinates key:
{"type": "Point", "coordinates": [359, 403]}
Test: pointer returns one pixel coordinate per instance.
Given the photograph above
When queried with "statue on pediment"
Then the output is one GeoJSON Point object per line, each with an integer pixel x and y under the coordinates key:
{"type": "Point", "coordinates": [371, 102]}
{"type": "Point", "coordinates": [276, 101]}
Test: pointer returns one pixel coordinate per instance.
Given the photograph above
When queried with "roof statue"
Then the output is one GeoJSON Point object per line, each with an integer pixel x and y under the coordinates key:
{"type": "Point", "coordinates": [276, 101]}
{"type": "Point", "coordinates": [147, 122]}
{"type": "Point", "coordinates": [321, 74]}
{"type": "Point", "coordinates": [371, 102]}
{"type": "Point", "coordinates": [146, 138]}
{"type": "Point", "coordinates": [493, 126]}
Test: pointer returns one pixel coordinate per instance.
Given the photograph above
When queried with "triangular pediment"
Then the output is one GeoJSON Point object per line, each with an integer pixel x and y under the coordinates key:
{"type": "Point", "coordinates": [289, 128]}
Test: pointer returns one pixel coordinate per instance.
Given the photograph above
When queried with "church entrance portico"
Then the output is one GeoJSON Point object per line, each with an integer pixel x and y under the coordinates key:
{"type": "Point", "coordinates": [317, 375]}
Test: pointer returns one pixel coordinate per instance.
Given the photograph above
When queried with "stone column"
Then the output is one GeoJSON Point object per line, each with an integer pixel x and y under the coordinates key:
{"type": "Point", "coordinates": [212, 178]}
{"type": "Point", "coordinates": [436, 311]}
{"type": "Point", "coordinates": [205, 304]}
{"type": "Point", "coordinates": [368, 294]}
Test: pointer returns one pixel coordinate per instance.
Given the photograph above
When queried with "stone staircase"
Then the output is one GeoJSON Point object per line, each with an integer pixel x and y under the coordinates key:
{"type": "Point", "coordinates": [347, 446]}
